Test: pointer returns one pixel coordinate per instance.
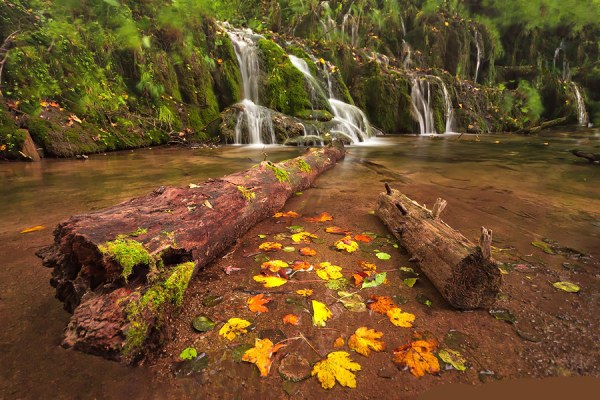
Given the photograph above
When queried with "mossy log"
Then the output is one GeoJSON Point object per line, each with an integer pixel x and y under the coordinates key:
{"type": "Point", "coordinates": [464, 273]}
{"type": "Point", "coordinates": [123, 271]}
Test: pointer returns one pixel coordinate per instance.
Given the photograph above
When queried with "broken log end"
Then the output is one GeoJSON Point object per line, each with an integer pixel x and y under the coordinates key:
{"type": "Point", "coordinates": [388, 189]}
{"type": "Point", "coordinates": [438, 207]}
{"type": "Point", "coordinates": [485, 243]}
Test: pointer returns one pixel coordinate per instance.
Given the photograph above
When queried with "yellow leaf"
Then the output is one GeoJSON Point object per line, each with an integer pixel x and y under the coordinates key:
{"type": "Point", "coordinates": [367, 266]}
{"type": "Point", "coordinates": [257, 303]}
{"type": "Point", "coordinates": [346, 243]}
{"type": "Point", "coordinates": [324, 217]}
{"type": "Point", "coordinates": [270, 281]}
{"type": "Point", "coordinates": [320, 313]}
{"type": "Point", "coordinates": [399, 318]}
{"type": "Point", "coordinates": [337, 366]}
{"type": "Point", "coordinates": [270, 246]}
{"type": "Point", "coordinates": [364, 340]}
{"type": "Point", "coordinates": [274, 265]}
{"type": "Point", "coordinates": [291, 319]}
{"type": "Point", "coordinates": [289, 214]}
{"type": "Point", "coordinates": [336, 230]}
{"type": "Point", "coordinates": [303, 237]}
{"type": "Point", "coordinates": [339, 343]}
{"type": "Point", "coordinates": [33, 229]}
{"type": "Point", "coordinates": [327, 271]}
{"type": "Point", "coordinates": [234, 327]}
{"type": "Point", "coordinates": [304, 292]}
{"type": "Point", "coordinates": [418, 357]}
{"type": "Point", "coordinates": [260, 355]}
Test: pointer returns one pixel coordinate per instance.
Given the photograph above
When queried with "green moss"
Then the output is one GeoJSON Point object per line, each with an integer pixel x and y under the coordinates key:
{"type": "Point", "coordinates": [128, 253]}
{"type": "Point", "coordinates": [304, 166]}
{"type": "Point", "coordinates": [11, 138]}
{"type": "Point", "coordinates": [177, 283]}
{"type": "Point", "coordinates": [138, 232]}
{"type": "Point", "coordinates": [281, 174]}
{"type": "Point", "coordinates": [248, 194]}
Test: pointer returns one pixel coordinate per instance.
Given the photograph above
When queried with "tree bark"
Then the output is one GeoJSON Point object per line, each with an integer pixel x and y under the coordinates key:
{"type": "Point", "coordinates": [465, 274]}
{"type": "Point", "coordinates": [120, 313]}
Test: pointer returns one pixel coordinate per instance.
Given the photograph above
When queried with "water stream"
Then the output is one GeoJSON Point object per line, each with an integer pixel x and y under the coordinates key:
{"type": "Point", "coordinates": [582, 115]}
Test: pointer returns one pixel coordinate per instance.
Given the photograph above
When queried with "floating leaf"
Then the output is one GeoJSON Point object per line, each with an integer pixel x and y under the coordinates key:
{"type": "Point", "coordinates": [307, 251]}
{"type": "Point", "coordinates": [289, 214]}
{"type": "Point", "coordinates": [304, 292]}
{"type": "Point", "coordinates": [270, 246]}
{"type": "Point", "coordinates": [189, 353]}
{"type": "Point", "coordinates": [203, 324]}
{"type": "Point", "coordinates": [454, 358]}
{"type": "Point", "coordinates": [289, 249]}
{"type": "Point", "coordinates": [337, 284]}
{"type": "Point", "coordinates": [339, 343]}
{"type": "Point", "coordinates": [352, 301]}
{"type": "Point", "coordinates": [303, 237]}
{"type": "Point", "coordinates": [328, 271]}
{"type": "Point", "coordinates": [336, 230]}
{"type": "Point", "coordinates": [233, 328]}
{"type": "Point", "coordinates": [257, 303]}
{"type": "Point", "coordinates": [363, 238]}
{"type": "Point", "coordinates": [399, 318]}
{"type": "Point", "coordinates": [347, 244]}
{"type": "Point", "coordinates": [383, 256]}
{"type": "Point", "coordinates": [382, 304]}
{"type": "Point", "coordinates": [291, 319]}
{"type": "Point", "coordinates": [324, 217]}
{"type": "Point", "coordinates": [270, 281]}
{"type": "Point", "coordinates": [418, 357]}
{"type": "Point", "coordinates": [410, 282]}
{"type": "Point", "coordinates": [260, 355]}
{"type": "Point", "coordinates": [364, 340]}
{"type": "Point", "coordinates": [566, 286]}
{"type": "Point", "coordinates": [274, 265]}
{"type": "Point", "coordinates": [337, 366]}
{"type": "Point", "coordinates": [320, 313]}
{"type": "Point", "coordinates": [378, 280]}
{"type": "Point", "coordinates": [545, 247]}
{"type": "Point", "coordinates": [33, 229]}
{"type": "Point", "coordinates": [302, 266]}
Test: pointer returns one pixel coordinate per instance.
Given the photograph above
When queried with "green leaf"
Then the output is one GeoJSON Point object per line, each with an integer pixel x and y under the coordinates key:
{"type": "Point", "coordinates": [295, 229]}
{"type": "Point", "coordinates": [352, 301]}
{"type": "Point", "coordinates": [566, 286]}
{"type": "Point", "coordinates": [289, 249]}
{"type": "Point", "coordinates": [545, 247]}
{"type": "Point", "coordinates": [410, 282]}
{"type": "Point", "coordinates": [379, 279]}
{"type": "Point", "coordinates": [203, 324]}
{"type": "Point", "coordinates": [189, 353]}
{"type": "Point", "coordinates": [454, 358]}
{"type": "Point", "coordinates": [383, 256]}
{"type": "Point", "coordinates": [261, 236]}
{"type": "Point", "coordinates": [337, 284]}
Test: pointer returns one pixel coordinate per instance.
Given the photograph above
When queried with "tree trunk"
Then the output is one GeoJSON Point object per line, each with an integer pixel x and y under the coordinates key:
{"type": "Point", "coordinates": [465, 274]}
{"type": "Point", "coordinates": [123, 270]}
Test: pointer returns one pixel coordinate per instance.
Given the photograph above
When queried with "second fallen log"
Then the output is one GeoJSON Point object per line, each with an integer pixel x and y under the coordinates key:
{"type": "Point", "coordinates": [464, 273]}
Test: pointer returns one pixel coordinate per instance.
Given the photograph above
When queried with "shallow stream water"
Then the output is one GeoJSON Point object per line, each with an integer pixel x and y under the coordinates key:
{"type": "Point", "coordinates": [524, 187]}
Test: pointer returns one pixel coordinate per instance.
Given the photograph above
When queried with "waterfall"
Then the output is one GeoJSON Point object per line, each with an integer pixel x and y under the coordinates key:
{"type": "Point", "coordinates": [407, 51]}
{"type": "Point", "coordinates": [479, 45]}
{"type": "Point", "coordinates": [253, 119]}
{"type": "Point", "coordinates": [449, 112]}
{"type": "Point", "coordinates": [350, 121]}
{"type": "Point", "coordinates": [353, 22]}
{"type": "Point", "coordinates": [421, 102]}
{"type": "Point", "coordinates": [581, 111]}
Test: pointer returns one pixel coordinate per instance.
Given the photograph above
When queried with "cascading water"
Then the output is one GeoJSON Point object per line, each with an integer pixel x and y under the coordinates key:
{"type": "Point", "coordinates": [582, 114]}
{"type": "Point", "coordinates": [479, 45]}
{"type": "Point", "coordinates": [421, 102]}
{"type": "Point", "coordinates": [449, 109]}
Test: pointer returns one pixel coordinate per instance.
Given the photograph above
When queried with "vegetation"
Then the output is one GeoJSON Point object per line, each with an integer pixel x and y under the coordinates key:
{"type": "Point", "coordinates": [128, 253]}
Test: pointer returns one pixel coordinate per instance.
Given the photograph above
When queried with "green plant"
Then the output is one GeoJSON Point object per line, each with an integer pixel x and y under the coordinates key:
{"type": "Point", "coordinates": [128, 253]}
{"type": "Point", "coordinates": [248, 194]}
{"type": "Point", "coordinates": [281, 174]}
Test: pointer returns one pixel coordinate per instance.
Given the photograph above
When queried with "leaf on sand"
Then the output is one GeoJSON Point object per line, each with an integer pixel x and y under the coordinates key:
{"type": "Point", "coordinates": [364, 340]}
{"type": "Point", "coordinates": [260, 355]}
{"type": "Point", "coordinates": [270, 246]}
{"type": "Point", "coordinates": [289, 214]}
{"type": "Point", "coordinates": [363, 238]}
{"type": "Point", "coordinates": [382, 304]}
{"type": "Point", "coordinates": [328, 271]}
{"type": "Point", "coordinates": [347, 244]}
{"type": "Point", "coordinates": [410, 282]}
{"type": "Point", "coordinates": [337, 366]}
{"type": "Point", "coordinates": [418, 357]}
{"type": "Point", "coordinates": [291, 319]}
{"type": "Point", "coordinates": [305, 292]}
{"type": "Point", "coordinates": [339, 343]}
{"type": "Point", "coordinates": [337, 284]}
{"type": "Point", "coordinates": [189, 353]}
{"type": "Point", "coordinates": [303, 237]}
{"type": "Point", "coordinates": [307, 251]}
{"type": "Point", "coordinates": [270, 281]}
{"type": "Point", "coordinates": [234, 327]}
{"type": "Point", "coordinates": [400, 318]}
{"type": "Point", "coordinates": [545, 247]}
{"type": "Point", "coordinates": [352, 301]}
{"type": "Point", "coordinates": [320, 313]}
{"type": "Point", "coordinates": [566, 286]}
{"type": "Point", "coordinates": [302, 266]}
{"type": "Point", "coordinates": [454, 358]}
{"type": "Point", "coordinates": [383, 256]}
{"type": "Point", "coordinates": [376, 281]}
{"type": "Point", "coordinates": [367, 266]}
{"type": "Point", "coordinates": [324, 217]}
{"type": "Point", "coordinates": [336, 230]}
{"type": "Point", "coordinates": [257, 303]}
{"type": "Point", "coordinates": [274, 265]}
{"type": "Point", "coordinates": [33, 229]}
{"type": "Point", "coordinates": [289, 249]}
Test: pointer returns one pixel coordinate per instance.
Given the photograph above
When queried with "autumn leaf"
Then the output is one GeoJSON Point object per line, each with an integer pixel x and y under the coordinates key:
{"type": "Point", "coordinates": [273, 265]}
{"type": "Point", "coordinates": [324, 217]}
{"type": "Point", "coordinates": [336, 230]}
{"type": "Point", "coordinates": [233, 328]}
{"type": "Point", "coordinates": [33, 229]}
{"type": "Point", "coordinates": [289, 214]}
{"type": "Point", "coordinates": [291, 319]}
{"type": "Point", "coordinates": [565, 286]}
{"type": "Point", "coordinates": [260, 355]}
{"type": "Point", "coordinates": [400, 318]}
{"type": "Point", "coordinates": [270, 281]}
{"type": "Point", "coordinates": [374, 281]}
{"type": "Point", "coordinates": [337, 366]}
{"type": "Point", "coordinates": [301, 266]}
{"type": "Point", "coordinates": [304, 292]}
{"type": "Point", "coordinates": [257, 303]}
{"type": "Point", "coordinates": [339, 343]}
{"type": "Point", "coordinates": [320, 313]}
{"type": "Point", "coordinates": [367, 266]}
{"type": "Point", "coordinates": [454, 358]}
{"type": "Point", "coordinates": [363, 238]}
{"type": "Point", "coordinates": [359, 278]}
{"type": "Point", "coordinates": [382, 304]}
{"type": "Point", "coordinates": [303, 237]}
{"type": "Point", "coordinates": [270, 246]}
{"type": "Point", "coordinates": [418, 357]}
{"type": "Point", "coordinates": [347, 244]}
{"type": "Point", "coordinates": [328, 271]}
{"type": "Point", "coordinates": [307, 251]}
{"type": "Point", "coordinates": [364, 340]}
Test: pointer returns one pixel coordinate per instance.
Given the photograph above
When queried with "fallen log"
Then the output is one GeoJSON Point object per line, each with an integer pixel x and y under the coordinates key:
{"type": "Point", "coordinates": [124, 270]}
{"type": "Point", "coordinates": [591, 157]}
{"type": "Point", "coordinates": [465, 274]}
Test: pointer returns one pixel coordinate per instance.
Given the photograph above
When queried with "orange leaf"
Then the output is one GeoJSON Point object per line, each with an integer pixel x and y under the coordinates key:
{"type": "Point", "coordinates": [363, 238]}
{"type": "Point", "coordinates": [339, 342]}
{"type": "Point", "coordinates": [260, 355]}
{"type": "Point", "coordinates": [289, 214]}
{"type": "Point", "coordinates": [33, 229]}
{"type": "Point", "coordinates": [336, 230]}
{"type": "Point", "coordinates": [256, 303]}
{"type": "Point", "coordinates": [359, 278]}
{"type": "Point", "coordinates": [305, 292]}
{"type": "Point", "coordinates": [382, 304]}
{"type": "Point", "coordinates": [418, 357]}
{"type": "Point", "coordinates": [270, 246]}
{"type": "Point", "coordinates": [307, 251]}
{"type": "Point", "coordinates": [367, 266]}
{"type": "Point", "coordinates": [324, 217]}
{"type": "Point", "coordinates": [364, 340]}
{"type": "Point", "coordinates": [301, 266]}
{"type": "Point", "coordinates": [291, 319]}
{"type": "Point", "coordinates": [274, 265]}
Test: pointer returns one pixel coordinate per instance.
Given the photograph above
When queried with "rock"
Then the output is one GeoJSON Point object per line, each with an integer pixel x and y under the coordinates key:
{"type": "Point", "coordinates": [29, 149]}
{"type": "Point", "coordinates": [294, 368]}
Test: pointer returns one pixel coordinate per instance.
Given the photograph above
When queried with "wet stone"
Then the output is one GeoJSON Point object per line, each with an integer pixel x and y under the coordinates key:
{"type": "Point", "coordinates": [294, 368]}
{"type": "Point", "coordinates": [212, 300]}
{"type": "Point", "coordinates": [274, 335]}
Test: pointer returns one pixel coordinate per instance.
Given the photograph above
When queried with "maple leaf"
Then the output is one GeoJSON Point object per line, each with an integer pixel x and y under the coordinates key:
{"type": "Point", "coordinates": [320, 313]}
{"type": "Point", "coordinates": [307, 251]}
{"type": "Point", "coordinates": [382, 304]}
{"type": "Point", "coordinates": [363, 238]}
{"type": "Point", "coordinates": [270, 281]}
{"type": "Point", "coordinates": [359, 278]}
{"type": "Point", "coordinates": [367, 266]}
{"type": "Point", "coordinates": [289, 214]}
{"type": "Point", "coordinates": [336, 230]}
{"type": "Point", "coordinates": [302, 266]}
{"type": "Point", "coordinates": [273, 265]}
{"type": "Point", "coordinates": [337, 366]}
{"type": "Point", "coordinates": [270, 246]}
{"type": "Point", "coordinates": [364, 340]}
{"type": "Point", "coordinates": [234, 327]}
{"type": "Point", "coordinates": [346, 243]}
{"type": "Point", "coordinates": [339, 343]}
{"type": "Point", "coordinates": [305, 292]}
{"type": "Point", "coordinates": [257, 303]}
{"type": "Point", "coordinates": [324, 217]}
{"type": "Point", "coordinates": [328, 271]}
{"type": "Point", "coordinates": [418, 357]}
{"type": "Point", "coordinates": [303, 237]}
{"type": "Point", "coordinates": [291, 319]}
{"type": "Point", "coordinates": [399, 318]}
{"type": "Point", "coordinates": [260, 355]}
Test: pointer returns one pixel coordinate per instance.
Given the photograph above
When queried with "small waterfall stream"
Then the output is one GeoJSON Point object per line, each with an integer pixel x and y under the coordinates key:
{"type": "Point", "coordinates": [479, 45]}
{"type": "Point", "coordinates": [582, 115]}
{"type": "Point", "coordinates": [422, 95]}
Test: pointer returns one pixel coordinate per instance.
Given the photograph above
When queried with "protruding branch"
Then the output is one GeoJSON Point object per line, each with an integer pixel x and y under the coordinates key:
{"type": "Point", "coordinates": [485, 243]}
{"type": "Point", "coordinates": [388, 189]}
{"type": "Point", "coordinates": [438, 207]}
